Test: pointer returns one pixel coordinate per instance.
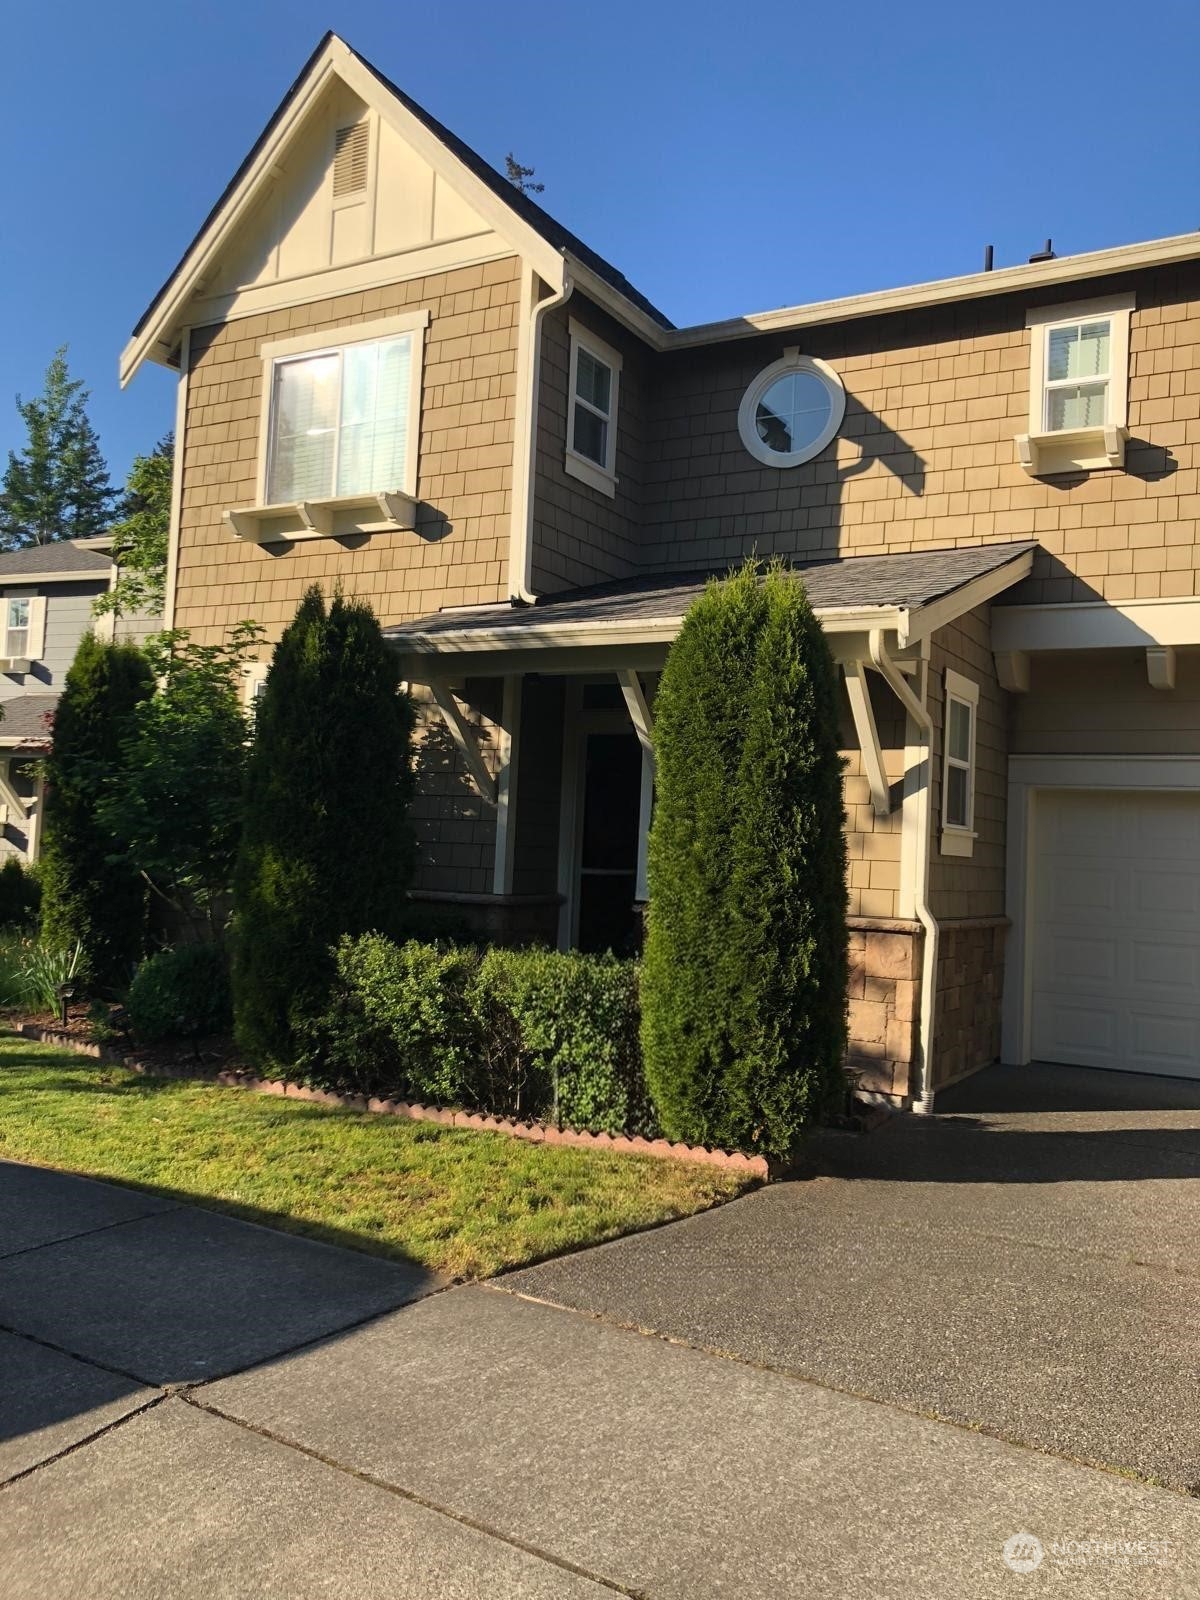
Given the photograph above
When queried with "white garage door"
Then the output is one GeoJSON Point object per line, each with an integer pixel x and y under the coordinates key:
{"type": "Point", "coordinates": [1116, 934]}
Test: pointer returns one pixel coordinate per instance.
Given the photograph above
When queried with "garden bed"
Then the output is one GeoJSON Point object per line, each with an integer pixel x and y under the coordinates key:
{"type": "Point", "coordinates": [454, 1198]}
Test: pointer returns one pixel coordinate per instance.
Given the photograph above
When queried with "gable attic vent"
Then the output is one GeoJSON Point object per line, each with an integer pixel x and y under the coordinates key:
{"type": "Point", "coordinates": [350, 159]}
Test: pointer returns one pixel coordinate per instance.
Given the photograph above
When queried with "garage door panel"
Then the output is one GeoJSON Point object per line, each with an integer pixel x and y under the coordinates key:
{"type": "Point", "coordinates": [1116, 931]}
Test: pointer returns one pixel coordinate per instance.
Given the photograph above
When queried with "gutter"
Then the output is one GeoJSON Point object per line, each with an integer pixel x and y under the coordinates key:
{"type": "Point", "coordinates": [919, 712]}
{"type": "Point", "coordinates": [520, 544]}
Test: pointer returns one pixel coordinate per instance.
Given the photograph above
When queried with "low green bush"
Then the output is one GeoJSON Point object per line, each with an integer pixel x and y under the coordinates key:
{"type": "Point", "coordinates": [576, 1018]}
{"type": "Point", "coordinates": [523, 1033]}
{"type": "Point", "coordinates": [181, 994]}
{"type": "Point", "coordinates": [20, 896]}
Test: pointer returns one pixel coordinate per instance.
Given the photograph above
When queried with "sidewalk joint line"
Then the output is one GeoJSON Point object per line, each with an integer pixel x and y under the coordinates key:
{"type": "Point", "coordinates": [80, 1444]}
{"type": "Point", "coordinates": [411, 1495]}
{"type": "Point", "coordinates": [88, 1233]}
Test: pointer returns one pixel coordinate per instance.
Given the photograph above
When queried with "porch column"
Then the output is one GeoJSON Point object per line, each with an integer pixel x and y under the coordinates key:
{"type": "Point", "coordinates": [508, 740]}
{"type": "Point", "coordinates": [639, 712]}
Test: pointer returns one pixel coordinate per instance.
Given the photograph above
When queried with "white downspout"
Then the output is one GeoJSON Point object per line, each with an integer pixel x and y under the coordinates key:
{"type": "Point", "coordinates": [919, 712]}
{"type": "Point", "coordinates": [520, 557]}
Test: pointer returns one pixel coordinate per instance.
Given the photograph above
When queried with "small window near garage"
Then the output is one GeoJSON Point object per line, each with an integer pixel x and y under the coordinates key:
{"type": "Point", "coordinates": [792, 410]}
{"type": "Point", "coordinates": [1078, 387]}
{"type": "Point", "coordinates": [958, 765]}
{"type": "Point", "coordinates": [595, 379]}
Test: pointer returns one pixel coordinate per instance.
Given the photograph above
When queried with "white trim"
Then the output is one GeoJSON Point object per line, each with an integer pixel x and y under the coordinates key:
{"type": "Point", "coordinates": [1044, 450]}
{"type": "Point", "coordinates": [335, 60]}
{"type": "Point", "coordinates": [1027, 776]}
{"type": "Point", "coordinates": [958, 839]}
{"type": "Point", "coordinates": [508, 751]}
{"type": "Point", "coordinates": [600, 475]}
{"type": "Point", "coordinates": [1096, 625]}
{"type": "Point", "coordinates": [791, 361]}
{"type": "Point", "coordinates": [465, 738]}
{"type": "Point", "coordinates": [333, 341]}
{"type": "Point", "coordinates": [858, 693]}
{"type": "Point", "coordinates": [643, 725]}
{"type": "Point", "coordinates": [180, 444]}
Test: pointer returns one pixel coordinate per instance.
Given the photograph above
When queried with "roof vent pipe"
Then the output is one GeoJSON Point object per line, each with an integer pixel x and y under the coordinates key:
{"type": "Point", "coordinates": [988, 257]}
{"type": "Point", "coordinates": [1046, 253]}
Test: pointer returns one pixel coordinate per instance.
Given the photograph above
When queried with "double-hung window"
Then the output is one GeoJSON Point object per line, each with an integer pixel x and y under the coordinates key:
{"type": "Point", "coordinates": [595, 379]}
{"type": "Point", "coordinates": [1078, 386]}
{"type": "Point", "coordinates": [958, 765]}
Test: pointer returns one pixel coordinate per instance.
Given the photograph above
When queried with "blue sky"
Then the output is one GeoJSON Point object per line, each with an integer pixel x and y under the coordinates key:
{"type": "Point", "coordinates": [727, 157]}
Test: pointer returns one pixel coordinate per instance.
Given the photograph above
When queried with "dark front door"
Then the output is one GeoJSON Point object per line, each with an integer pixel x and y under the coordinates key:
{"type": "Point", "coordinates": [612, 786]}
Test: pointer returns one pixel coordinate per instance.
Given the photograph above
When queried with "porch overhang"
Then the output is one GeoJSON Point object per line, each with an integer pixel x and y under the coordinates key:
{"type": "Point", "coordinates": [902, 598]}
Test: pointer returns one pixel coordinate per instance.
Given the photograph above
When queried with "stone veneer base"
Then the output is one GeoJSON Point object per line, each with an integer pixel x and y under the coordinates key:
{"type": "Point", "coordinates": [534, 1132]}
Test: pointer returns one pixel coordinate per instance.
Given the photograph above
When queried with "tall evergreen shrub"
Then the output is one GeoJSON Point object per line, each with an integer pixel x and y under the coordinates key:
{"type": "Point", "coordinates": [326, 845]}
{"type": "Point", "coordinates": [744, 975]}
{"type": "Point", "coordinates": [89, 897]}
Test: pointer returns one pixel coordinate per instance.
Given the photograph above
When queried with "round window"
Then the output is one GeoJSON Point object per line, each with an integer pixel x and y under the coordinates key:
{"type": "Point", "coordinates": [791, 411]}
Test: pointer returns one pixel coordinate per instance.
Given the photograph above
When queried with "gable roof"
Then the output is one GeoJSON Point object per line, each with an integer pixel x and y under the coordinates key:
{"type": "Point", "coordinates": [61, 559]}
{"type": "Point", "coordinates": [527, 220]}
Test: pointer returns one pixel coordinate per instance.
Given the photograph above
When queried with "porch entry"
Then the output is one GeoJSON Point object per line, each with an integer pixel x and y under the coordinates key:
{"type": "Point", "coordinates": [607, 793]}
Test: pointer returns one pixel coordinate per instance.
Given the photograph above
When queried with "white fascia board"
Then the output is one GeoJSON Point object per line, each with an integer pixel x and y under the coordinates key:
{"type": "Point", "coordinates": [336, 60]}
{"type": "Point", "coordinates": [972, 286]}
{"type": "Point", "coordinates": [1096, 625]}
{"type": "Point", "coordinates": [925, 620]}
{"type": "Point", "coordinates": [18, 580]}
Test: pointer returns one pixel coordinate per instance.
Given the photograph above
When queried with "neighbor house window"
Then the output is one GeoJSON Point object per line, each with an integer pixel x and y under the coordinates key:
{"type": "Point", "coordinates": [958, 765]}
{"type": "Point", "coordinates": [792, 410]}
{"type": "Point", "coordinates": [595, 378]}
{"type": "Point", "coordinates": [343, 418]}
{"type": "Point", "coordinates": [17, 627]}
{"type": "Point", "coordinates": [1078, 386]}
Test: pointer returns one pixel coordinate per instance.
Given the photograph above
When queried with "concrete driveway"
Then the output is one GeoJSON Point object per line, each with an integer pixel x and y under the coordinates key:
{"type": "Point", "coordinates": [195, 1407]}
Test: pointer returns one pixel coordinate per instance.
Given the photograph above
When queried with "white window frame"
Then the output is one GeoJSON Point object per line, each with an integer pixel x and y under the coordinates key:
{"type": "Point", "coordinates": [1043, 450]}
{"type": "Point", "coordinates": [35, 631]}
{"type": "Point", "coordinates": [10, 628]}
{"type": "Point", "coordinates": [333, 341]}
{"type": "Point", "coordinates": [958, 839]}
{"type": "Point", "coordinates": [600, 476]}
{"type": "Point", "coordinates": [791, 361]}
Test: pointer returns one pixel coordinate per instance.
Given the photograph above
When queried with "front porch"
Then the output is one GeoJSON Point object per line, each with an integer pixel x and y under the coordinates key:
{"type": "Point", "coordinates": [537, 762]}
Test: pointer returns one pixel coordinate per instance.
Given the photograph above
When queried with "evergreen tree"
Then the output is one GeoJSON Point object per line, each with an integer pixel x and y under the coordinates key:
{"type": "Point", "coordinates": [521, 177]}
{"type": "Point", "coordinates": [744, 978]}
{"type": "Point", "coordinates": [88, 897]}
{"type": "Point", "coordinates": [57, 487]}
{"type": "Point", "coordinates": [326, 845]}
{"type": "Point", "coordinates": [140, 537]}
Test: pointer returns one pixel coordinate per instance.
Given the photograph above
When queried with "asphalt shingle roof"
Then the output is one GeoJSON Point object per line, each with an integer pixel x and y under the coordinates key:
{"type": "Point", "coordinates": [25, 718]}
{"type": "Point", "coordinates": [61, 555]}
{"type": "Point", "coordinates": [907, 581]}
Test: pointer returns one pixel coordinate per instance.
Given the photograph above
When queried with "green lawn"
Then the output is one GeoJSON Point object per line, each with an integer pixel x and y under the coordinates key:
{"type": "Point", "coordinates": [464, 1203]}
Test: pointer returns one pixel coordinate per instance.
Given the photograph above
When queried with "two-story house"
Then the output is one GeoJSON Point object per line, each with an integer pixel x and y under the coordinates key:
{"type": "Point", "coordinates": [398, 373]}
{"type": "Point", "coordinates": [47, 595]}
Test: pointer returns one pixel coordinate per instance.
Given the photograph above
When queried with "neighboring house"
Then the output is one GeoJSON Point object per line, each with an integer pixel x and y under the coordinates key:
{"type": "Point", "coordinates": [398, 373]}
{"type": "Point", "coordinates": [46, 597]}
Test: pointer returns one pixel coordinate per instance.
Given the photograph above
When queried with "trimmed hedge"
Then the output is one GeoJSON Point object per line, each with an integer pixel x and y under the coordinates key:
{"type": "Point", "coordinates": [181, 994]}
{"type": "Point", "coordinates": [517, 1033]}
{"type": "Point", "coordinates": [745, 970]}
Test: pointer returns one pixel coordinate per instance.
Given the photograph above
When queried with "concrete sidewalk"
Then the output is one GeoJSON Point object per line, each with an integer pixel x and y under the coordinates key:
{"type": "Point", "coordinates": [372, 1436]}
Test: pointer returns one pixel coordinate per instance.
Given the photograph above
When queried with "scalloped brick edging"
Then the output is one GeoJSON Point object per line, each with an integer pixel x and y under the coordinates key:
{"type": "Point", "coordinates": [534, 1132]}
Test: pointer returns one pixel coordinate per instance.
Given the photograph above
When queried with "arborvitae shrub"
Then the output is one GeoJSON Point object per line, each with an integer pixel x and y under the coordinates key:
{"type": "Point", "coordinates": [744, 973]}
{"type": "Point", "coordinates": [326, 845]}
{"type": "Point", "coordinates": [88, 898]}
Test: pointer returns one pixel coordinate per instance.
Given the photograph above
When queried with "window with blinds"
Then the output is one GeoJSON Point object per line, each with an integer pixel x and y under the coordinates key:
{"type": "Point", "coordinates": [340, 421]}
{"type": "Point", "coordinates": [1078, 373]}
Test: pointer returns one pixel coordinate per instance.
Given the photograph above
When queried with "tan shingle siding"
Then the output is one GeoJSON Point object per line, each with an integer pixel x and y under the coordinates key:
{"type": "Point", "coordinates": [458, 556]}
